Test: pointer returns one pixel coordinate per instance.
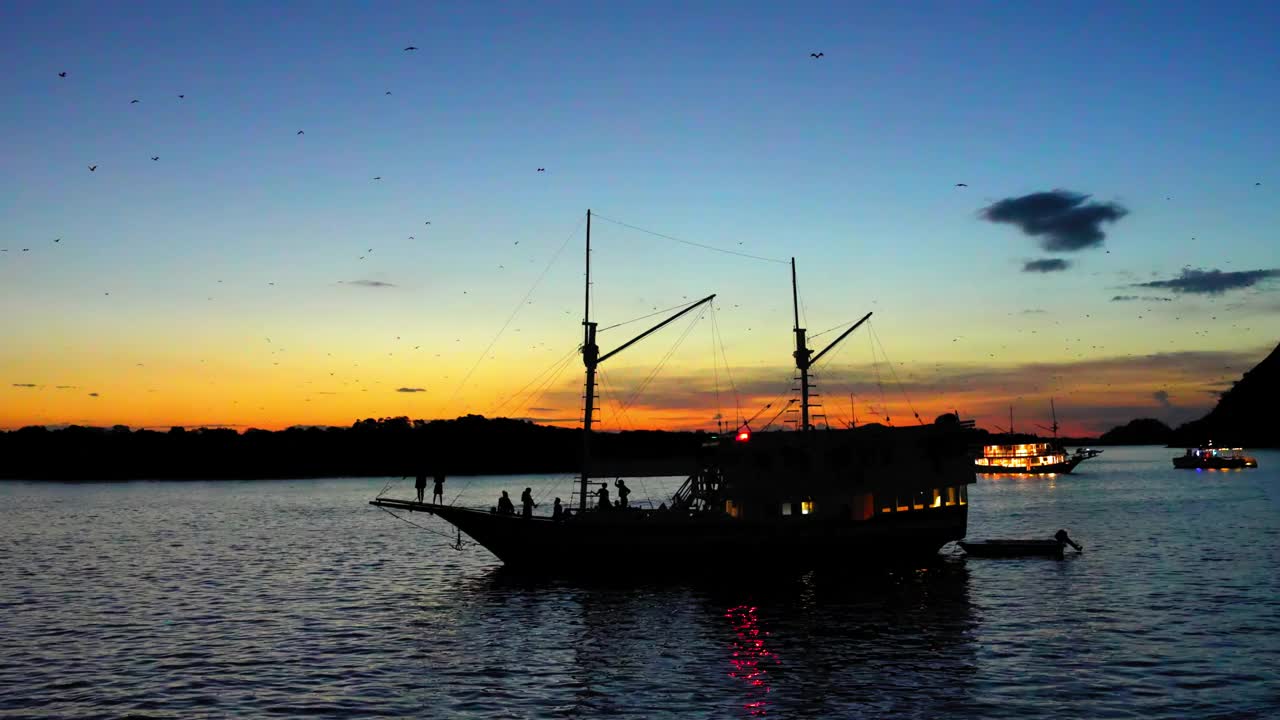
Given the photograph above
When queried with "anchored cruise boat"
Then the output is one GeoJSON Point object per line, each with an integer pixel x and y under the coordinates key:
{"type": "Point", "coordinates": [812, 498]}
{"type": "Point", "coordinates": [1034, 458]}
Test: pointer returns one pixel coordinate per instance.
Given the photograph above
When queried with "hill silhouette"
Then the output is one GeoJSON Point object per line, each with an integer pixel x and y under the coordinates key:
{"type": "Point", "coordinates": [1143, 431]}
{"type": "Point", "coordinates": [469, 445]}
{"type": "Point", "coordinates": [1245, 414]}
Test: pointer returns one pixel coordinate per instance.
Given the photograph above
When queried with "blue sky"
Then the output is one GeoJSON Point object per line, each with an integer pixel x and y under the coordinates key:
{"type": "Point", "coordinates": [706, 121]}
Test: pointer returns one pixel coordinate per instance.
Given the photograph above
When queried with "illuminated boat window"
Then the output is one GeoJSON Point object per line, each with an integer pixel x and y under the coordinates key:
{"type": "Point", "coordinates": [732, 509]}
{"type": "Point", "coordinates": [951, 496]}
{"type": "Point", "coordinates": [786, 508]}
{"type": "Point", "coordinates": [964, 495]}
{"type": "Point", "coordinates": [806, 507]}
{"type": "Point", "coordinates": [937, 498]}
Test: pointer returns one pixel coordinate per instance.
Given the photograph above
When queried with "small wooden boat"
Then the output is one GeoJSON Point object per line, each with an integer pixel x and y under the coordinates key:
{"type": "Point", "coordinates": [1020, 548]}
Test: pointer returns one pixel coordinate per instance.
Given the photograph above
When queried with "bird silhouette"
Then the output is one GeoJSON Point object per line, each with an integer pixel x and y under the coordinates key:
{"type": "Point", "coordinates": [388, 92]}
{"type": "Point", "coordinates": [155, 157]}
{"type": "Point", "coordinates": [428, 222]}
{"type": "Point", "coordinates": [57, 239]}
{"type": "Point", "coordinates": [410, 48]}
{"type": "Point", "coordinates": [182, 97]}
{"type": "Point", "coordinates": [816, 55]}
{"type": "Point", "coordinates": [131, 102]}
{"type": "Point", "coordinates": [378, 178]}
{"type": "Point", "coordinates": [62, 74]}
{"type": "Point", "coordinates": [961, 185]}
{"type": "Point", "coordinates": [1257, 184]}
{"type": "Point", "coordinates": [92, 168]}
{"type": "Point", "coordinates": [301, 133]}
{"type": "Point", "coordinates": [542, 169]}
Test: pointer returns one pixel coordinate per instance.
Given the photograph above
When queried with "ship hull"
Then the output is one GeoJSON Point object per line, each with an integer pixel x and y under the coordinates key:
{"type": "Point", "coordinates": [1052, 469]}
{"type": "Point", "coordinates": [1194, 463]}
{"type": "Point", "coordinates": [634, 542]}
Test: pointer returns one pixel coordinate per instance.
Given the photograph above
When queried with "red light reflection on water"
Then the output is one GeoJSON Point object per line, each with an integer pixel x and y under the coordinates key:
{"type": "Point", "coordinates": [749, 658]}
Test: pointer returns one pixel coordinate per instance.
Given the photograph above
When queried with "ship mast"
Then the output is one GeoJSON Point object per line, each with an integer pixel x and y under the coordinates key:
{"type": "Point", "coordinates": [804, 356]}
{"type": "Point", "coordinates": [592, 358]}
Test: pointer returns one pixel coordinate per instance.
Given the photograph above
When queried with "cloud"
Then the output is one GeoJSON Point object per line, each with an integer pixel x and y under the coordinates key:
{"type": "Point", "coordinates": [65, 387]}
{"type": "Point", "coordinates": [1034, 311]}
{"type": "Point", "coordinates": [543, 410]}
{"type": "Point", "coordinates": [1198, 281]}
{"type": "Point", "coordinates": [1162, 397]}
{"type": "Point", "coordinates": [1064, 220]}
{"type": "Point", "coordinates": [93, 394]}
{"type": "Point", "coordinates": [368, 283]}
{"type": "Point", "coordinates": [26, 385]}
{"type": "Point", "coordinates": [410, 390]}
{"type": "Point", "coordinates": [1046, 265]}
{"type": "Point", "coordinates": [1144, 298]}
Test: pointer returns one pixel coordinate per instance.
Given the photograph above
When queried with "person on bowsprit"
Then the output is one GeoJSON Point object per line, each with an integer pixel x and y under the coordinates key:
{"type": "Point", "coordinates": [438, 491]}
{"type": "Point", "coordinates": [526, 500]}
{"type": "Point", "coordinates": [505, 506]}
{"type": "Point", "coordinates": [421, 485]}
{"type": "Point", "coordinates": [1061, 537]}
{"type": "Point", "coordinates": [623, 492]}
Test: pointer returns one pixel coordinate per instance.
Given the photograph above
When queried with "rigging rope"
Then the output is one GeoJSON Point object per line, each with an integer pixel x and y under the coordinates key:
{"type": "Point", "coordinates": [688, 242]}
{"type": "Point", "coordinates": [512, 316]}
{"type": "Point", "coordinates": [901, 387]}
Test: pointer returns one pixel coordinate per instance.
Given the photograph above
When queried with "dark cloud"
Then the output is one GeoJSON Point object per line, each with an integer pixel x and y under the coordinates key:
{"type": "Point", "coordinates": [409, 389]}
{"type": "Point", "coordinates": [368, 283]}
{"type": "Point", "coordinates": [1144, 298]}
{"type": "Point", "coordinates": [26, 385]}
{"type": "Point", "coordinates": [65, 387]}
{"type": "Point", "coordinates": [544, 410]}
{"type": "Point", "coordinates": [1063, 220]}
{"type": "Point", "coordinates": [1162, 397]}
{"type": "Point", "coordinates": [1198, 281]}
{"type": "Point", "coordinates": [1046, 265]}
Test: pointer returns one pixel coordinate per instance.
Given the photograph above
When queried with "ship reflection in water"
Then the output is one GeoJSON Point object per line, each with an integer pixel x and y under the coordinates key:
{"type": "Point", "coordinates": [751, 659]}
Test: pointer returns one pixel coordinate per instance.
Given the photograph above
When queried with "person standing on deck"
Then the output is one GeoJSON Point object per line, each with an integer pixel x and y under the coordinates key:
{"type": "Point", "coordinates": [623, 492]}
{"type": "Point", "coordinates": [504, 505]}
{"type": "Point", "coordinates": [421, 485]}
{"type": "Point", "coordinates": [603, 494]}
{"type": "Point", "coordinates": [526, 500]}
{"type": "Point", "coordinates": [557, 510]}
{"type": "Point", "coordinates": [438, 491]}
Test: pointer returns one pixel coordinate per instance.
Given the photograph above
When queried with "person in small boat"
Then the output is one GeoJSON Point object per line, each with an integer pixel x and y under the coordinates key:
{"type": "Point", "coordinates": [557, 510]}
{"type": "Point", "coordinates": [603, 495]}
{"type": "Point", "coordinates": [421, 485]}
{"type": "Point", "coordinates": [526, 500]}
{"type": "Point", "coordinates": [505, 507]}
{"type": "Point", "coordinates": [438, 491]}
{"type": "Point", "coordinates": [623, 492]}
{"type": "Point", "coordinates": [1061, 537]}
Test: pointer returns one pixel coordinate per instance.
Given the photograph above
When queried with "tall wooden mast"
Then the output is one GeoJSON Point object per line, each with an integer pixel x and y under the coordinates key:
{"type": "Point", "coordinates": [592, 358]}
{"type": "Point", "coordinates": [804, 356]}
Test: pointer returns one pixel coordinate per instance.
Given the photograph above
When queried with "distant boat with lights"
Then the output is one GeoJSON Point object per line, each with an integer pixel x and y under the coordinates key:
{"type": "Point", "coordinates": [1033, 458]}
{"type": "Point", "coordinates": [1208, 457]}
{"type": "Point", "coordinates": [831, 498]}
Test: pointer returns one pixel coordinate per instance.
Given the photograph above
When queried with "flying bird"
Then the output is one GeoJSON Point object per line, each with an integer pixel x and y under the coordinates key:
{"type": "Point", "coordinates": [155, 157]}
{"type": "Point", "coordinates": [378, 178]}
{"type": "Point", "coordinates": [410, 48]}
{"type": "Point", "coordinates": [182, 97]}
{"type": "Point", "coordinates": [62, 74]}
{"type": "Point", "coordinates": [92, 168]}
{"type": "Point", "coordinates": [816, 55]}
{"type": "Point", "coordinates": [542, 169]}
{"type": "Point", "coordinates": [301, 133]}
{"type": "Point", "coordinates": [961, 185]}
{"type": "Point", "coordinates": [428, 222]}
{"type": "Point", "coordinates": [388, 92]}
{"type": "Point", "coordinates": [131, 102]}
{"type": "Point", "coordinates": [57, 239]}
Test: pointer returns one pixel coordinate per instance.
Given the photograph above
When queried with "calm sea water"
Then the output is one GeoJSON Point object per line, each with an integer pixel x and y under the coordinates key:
{"type": "Point", "coordinates": [296, 598]}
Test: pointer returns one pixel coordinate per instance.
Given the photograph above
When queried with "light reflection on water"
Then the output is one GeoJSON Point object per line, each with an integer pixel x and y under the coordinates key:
{"type": "Point", "coordinates": [297, 598]}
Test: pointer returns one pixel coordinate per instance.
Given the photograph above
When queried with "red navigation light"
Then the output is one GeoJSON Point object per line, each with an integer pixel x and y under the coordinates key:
{"type": "Point", "coordinates": [743, 435]}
